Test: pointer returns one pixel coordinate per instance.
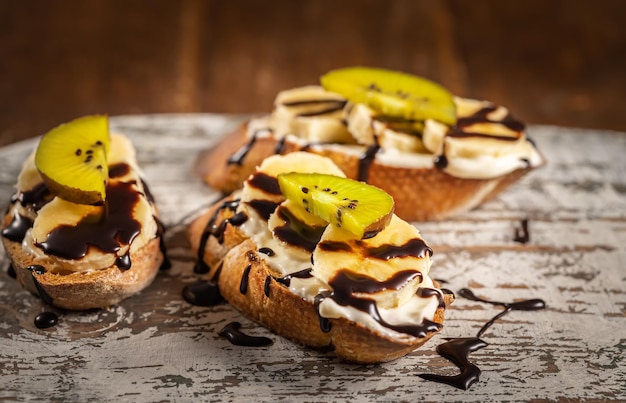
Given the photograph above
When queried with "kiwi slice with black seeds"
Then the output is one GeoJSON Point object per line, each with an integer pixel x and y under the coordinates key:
{"type": "Point", "coordinates": [72, 160]}
{"type": "Point", "coordinates": [354, 206]}
{"type": "Point", "coordinates": [393, 93]}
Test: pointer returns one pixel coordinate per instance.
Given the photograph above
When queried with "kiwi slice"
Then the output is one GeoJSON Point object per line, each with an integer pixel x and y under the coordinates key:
{"type": "Point", "coordinates": [72, 160]}
{"type": "Point", "coordinates": [392, 93]}
{"type": "Point", "coordinates": [355, 206]}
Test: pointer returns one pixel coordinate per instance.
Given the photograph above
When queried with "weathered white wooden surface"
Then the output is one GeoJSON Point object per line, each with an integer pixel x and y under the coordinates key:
{"type": "Point", "coordinates": [155, 346]}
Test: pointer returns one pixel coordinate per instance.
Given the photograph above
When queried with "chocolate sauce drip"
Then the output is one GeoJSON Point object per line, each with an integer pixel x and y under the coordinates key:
{"type": "Point", "coordinates": [334, 246]}
{"type": "Point", "coordinates": [297, 233]}
{"type": "Point", "coordinates": [116, 228]}
{"type": "Point", "coordinates": [245, 276]}
{"type": "Point", "coordinates": [46, 320]}
{"type": "Point", "coordinates": [264, 208]}
{"type": "Point", "coordinates": [200, 266]}
{"type": "Point", "coordinates": [457, 350]}
{"type": "Point", "coordinates": [522, 235]}
{"type": "Point", "coordinates": [323, 111]}
{"type": "Point", "coordinates": [414, 247]}
{"type": "Point", "coordinates": [424, 292]}
{"type": "Point", "coordinates": [266, 286]}
{"type": "Point", "coordinates": [267, 251]}
{"type": "Point", "coordinates": [37, 269]}
{"type": "Point", "coordinates": [344, 285]}
{"type": "Point", "coordinates": [203, 293]}
{"type": "Point", "coordinates": [526, 305]}
{"type": "Point", "coordinates": [123, 262]}
{"type": "Point", "coordinates": [286, 280]}
{"type": "Point", "coordinates": [325, 324]}
{"type": "Point", "coordinates": [17, 228]}
{"type": "Point", "coordinates": [441, 162]}
{"type": "Point", "coordinates": [35, 198]}
{"type": "Point", "coordinates": [265, 182]}
{"type": "Point", "coordinates": [119, 170]}
{"type": "Point", "coordinates": [240, 155]}
{"type": "Point", "coordinates": [166, 264]}
{"type": "Point", "coordinates": [365, 161]}
{"type": "Point", "coordinates": [347, 282]}
{"type": "Point", "coordinates": [238, 338]}
{"type": "Point", "coordinates": [11, 271]}
{"type": "Point", "coordinates": [280, 145]}
{"type": "Point", "coordinates": [481, 116]}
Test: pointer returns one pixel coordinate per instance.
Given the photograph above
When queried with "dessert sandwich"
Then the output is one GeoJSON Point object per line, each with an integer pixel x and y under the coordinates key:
{"type": "Point", "coordinates": [82, 228]}
{"type": "Point", "coordinates": [436, 154]}
{"type": "Point", "coordinates": [322, 260]}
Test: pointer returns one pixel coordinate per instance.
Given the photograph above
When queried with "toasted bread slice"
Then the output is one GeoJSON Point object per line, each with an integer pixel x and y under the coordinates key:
{"type": "Point", "coordinates": [81, 257]}
{"type": "Point", "coordinates": [420, 194]}
{"type": "Point", "coordinates": [275, 272]}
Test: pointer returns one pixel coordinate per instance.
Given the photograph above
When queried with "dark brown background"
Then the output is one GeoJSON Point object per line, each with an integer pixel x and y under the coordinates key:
{"type": "Point", "coordinates": [551, 62]}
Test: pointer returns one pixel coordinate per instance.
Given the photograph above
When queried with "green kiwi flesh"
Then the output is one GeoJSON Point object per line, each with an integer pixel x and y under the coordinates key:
{"type": "Point", "coordinates": [354, 206]}
{"type": "Point", "coordinates": [393, 93]}
{"type": "Point", "coordinates": [72, 160]}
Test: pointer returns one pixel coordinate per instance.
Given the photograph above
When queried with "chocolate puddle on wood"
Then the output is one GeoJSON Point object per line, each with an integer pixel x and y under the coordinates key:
{"type": "Point", "coordinates": [457, 350]}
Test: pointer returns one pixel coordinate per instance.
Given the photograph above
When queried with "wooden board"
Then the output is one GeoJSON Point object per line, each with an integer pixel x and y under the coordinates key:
{"type": "Point", "coordinates": [155, 346]}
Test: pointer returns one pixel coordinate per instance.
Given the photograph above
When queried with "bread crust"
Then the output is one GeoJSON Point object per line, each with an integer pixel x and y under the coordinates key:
{"type": "Point", "coordinates": [80, 291]}
{"type": "Point", "coordinates": [420, 194]}
{"type": "Point", "coordinates": [272, 304]}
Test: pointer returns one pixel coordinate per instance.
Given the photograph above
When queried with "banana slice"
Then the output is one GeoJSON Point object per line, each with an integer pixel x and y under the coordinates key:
{"type": "Point", "coordinates": [264, 186]}
{"type": "Point", "coordinates": [310, 113]}
{"type": "Point", "coordinates": [485, 143]}
{"type": "Point", "coordinates": [388, 267]}
{"type": "Point", "coordinates": [397, 134]}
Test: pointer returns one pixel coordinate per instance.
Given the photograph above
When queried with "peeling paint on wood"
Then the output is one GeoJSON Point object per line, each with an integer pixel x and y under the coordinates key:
{"type": "Point", "coordinates": [155, 346]}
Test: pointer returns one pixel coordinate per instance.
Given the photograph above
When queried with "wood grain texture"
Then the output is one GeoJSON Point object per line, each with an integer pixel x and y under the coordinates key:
{"type": "Point", "coordinates": [559, 62]}
{"type": "Point", "coordinates": [157, 347]}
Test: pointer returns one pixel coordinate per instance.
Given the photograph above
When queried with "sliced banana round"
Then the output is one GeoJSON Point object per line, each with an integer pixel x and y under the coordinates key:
{"type": "Point", "coordinates": [390, 134]}
{"type": "Point", "coordinates": [486, 142]}
{"type": "Point", "coordinates": [311, 113]}
{"type": "Point", "coordinates": [391, 264]}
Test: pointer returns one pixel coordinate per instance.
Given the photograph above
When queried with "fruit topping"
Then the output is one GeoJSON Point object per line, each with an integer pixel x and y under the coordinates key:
{"type": "Point", "coordinates": [394, 94]}
{"type": "Point", "coordinates": [72, 160]}
{"type": "Point", "coordinates": [354, 206]}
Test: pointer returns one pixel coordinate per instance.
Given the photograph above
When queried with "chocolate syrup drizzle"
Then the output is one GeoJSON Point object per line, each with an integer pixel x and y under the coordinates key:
{"type": "Point", "coordinates": [211, 229]}
{"type": "Point", "coordinates": [236, 337]}
{"type": "Point", "coordinates": [286, 280]}
{"type": "Point", "coordinates": [480, 116]}
{"type": "Point", "coordinates": [457, 350]}
{"type": "Point", "coordinates": [46, 320]}
{"type": "Point", "coordinates": [117, 227]}
{"type": "Point", "coordinates": [297, 233]}
{"type": "Point", "coordinates": [365, 161]}
{"type": "Point", "coordinates": [522, 234]}
{"type": "Point", "coordinates": [240, 155]}
{"type": "Point", "coordinates": [345, 284]}
{"type": "Point", "coordinates": [413, 247]}
{"type": "Point", "coordinates": [203, 293]}
{"type": "Point", "coordinates": [17, 228]}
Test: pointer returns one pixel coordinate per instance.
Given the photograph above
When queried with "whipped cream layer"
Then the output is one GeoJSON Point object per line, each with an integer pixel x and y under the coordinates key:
{"type": "Point", "coordinates": [487, 142]}
{"type": "Point", "coordinates": [70, 237]}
